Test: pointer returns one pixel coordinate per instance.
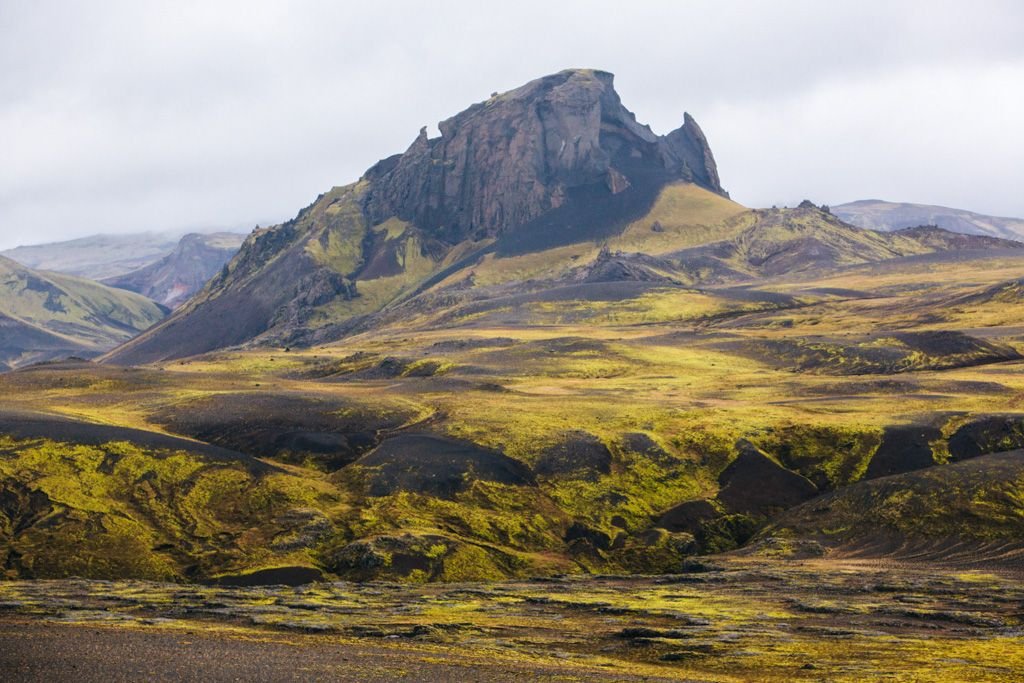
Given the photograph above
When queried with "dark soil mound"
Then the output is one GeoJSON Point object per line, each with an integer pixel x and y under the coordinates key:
{"type": "Point", "coordinates": [754, 484]}
{"type": "Point", "coordinates": [582, 291]}
{"type": "Point", "coordinates": [903, 449]}
{"type": "Point", "coordinates": [437, 466]}
{"type": "Point", "coordinates": [879, 354]}
{"type": "Point", "coordinates": [288, 427]}
{"type": "Point", "coordinates": [756, 295]}
{"type": "Point", "coordinates": [688, 516]}
{"type": "Point", "coordinates": [468, 344]}
{"type": "Point", "coordinates": [579, 456]}
{"type": "Point", "coordinates": [277, 576]}
{"type": "Point", "coordinates": [640, 443]}
{"type": "Point", "coordinates": [941, 343]}
{"type": "Point", "coordinates": [991, 434]}
{"type": "Point", "coordinates": [28, 426]}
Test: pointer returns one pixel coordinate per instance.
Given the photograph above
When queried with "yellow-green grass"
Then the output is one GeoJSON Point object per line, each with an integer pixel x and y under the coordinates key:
{"type": "Point", "coordinates": [688, 216]}
{"type": "Point", "coordinates": [86, 315]}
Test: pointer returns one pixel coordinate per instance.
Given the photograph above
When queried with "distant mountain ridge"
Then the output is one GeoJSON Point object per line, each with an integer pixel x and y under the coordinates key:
{"type": "Point", "coordinates": [877, 214]}
{"type": "Point", "coordinates": [173, 279]}
{"type": "Point", "coordinates": [97, 256]}
{"type": "Point", "coordinates": [791, 241]}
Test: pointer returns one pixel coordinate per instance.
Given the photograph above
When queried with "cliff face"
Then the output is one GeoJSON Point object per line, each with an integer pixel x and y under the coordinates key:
{"type": "Point", "coordinates": [505, 162]}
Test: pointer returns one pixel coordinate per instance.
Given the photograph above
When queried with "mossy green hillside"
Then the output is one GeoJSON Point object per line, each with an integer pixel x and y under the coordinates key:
{"type": "Point", "coordinates": [48, 315]}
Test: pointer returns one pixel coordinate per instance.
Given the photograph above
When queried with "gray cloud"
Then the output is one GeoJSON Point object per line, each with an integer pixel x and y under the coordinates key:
{"type": "Point", "coordinates": [133, 115]}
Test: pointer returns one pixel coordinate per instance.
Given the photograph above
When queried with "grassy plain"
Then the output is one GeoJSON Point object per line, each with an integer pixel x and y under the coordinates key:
{"type": "Point", "coordinates": [654, 390]}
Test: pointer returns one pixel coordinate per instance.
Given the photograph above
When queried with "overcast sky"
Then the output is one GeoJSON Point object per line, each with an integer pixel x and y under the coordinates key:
{"type": "Point", "coordinates": [133, 116]}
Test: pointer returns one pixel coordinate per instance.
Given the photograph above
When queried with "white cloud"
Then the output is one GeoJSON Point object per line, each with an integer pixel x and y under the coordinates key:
{"type": "Point", "coordinates": [134, 115]}
{"type": "Point", "coordinates": [940, 135]}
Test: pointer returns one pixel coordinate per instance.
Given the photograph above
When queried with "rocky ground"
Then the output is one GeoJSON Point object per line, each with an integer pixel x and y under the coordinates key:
{"type": "Point", "coordinates": [722, 620]}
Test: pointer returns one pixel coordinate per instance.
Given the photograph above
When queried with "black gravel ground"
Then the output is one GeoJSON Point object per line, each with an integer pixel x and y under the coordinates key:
{"type": "Point", "coordinates": [46, 651]}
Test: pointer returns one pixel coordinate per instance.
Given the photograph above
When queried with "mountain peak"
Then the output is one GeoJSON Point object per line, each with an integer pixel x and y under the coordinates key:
{"type": "Point", "coordinates": [556, 161]}
{"type": "Point", "coordinates": [505, 161]}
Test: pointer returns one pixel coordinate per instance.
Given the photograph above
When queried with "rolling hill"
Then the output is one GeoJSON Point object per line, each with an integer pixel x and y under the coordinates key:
{"type": "Point", "coordinates": [48, 315]}
{"type": "Point", "coordinates": [920, 515]}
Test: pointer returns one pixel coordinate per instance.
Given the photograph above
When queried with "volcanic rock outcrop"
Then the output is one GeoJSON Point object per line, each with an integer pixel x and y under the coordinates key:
{"type": "Point", "coordinates": [504, 162]}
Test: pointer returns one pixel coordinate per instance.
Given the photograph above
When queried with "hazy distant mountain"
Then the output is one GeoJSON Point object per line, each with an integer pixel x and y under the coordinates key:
{"type": "Point", "coordinates": [173, 279]}
{"type": "Point", "coordinates": [877, 214]}
{"type": "Point", "coordinates": [47, 315]}
{"type": "Point", "coordinates": [98, 256]}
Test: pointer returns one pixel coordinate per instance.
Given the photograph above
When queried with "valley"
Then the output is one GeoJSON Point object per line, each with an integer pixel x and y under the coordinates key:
{"type": "Point", "coordinates": [613, 412]}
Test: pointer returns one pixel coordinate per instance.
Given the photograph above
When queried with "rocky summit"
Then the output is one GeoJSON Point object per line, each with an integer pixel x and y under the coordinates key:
{"type": "Point", "coordinates": [556, 141]}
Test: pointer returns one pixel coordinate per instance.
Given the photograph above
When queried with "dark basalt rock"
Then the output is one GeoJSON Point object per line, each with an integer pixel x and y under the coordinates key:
{"type": "Point", "coordinates": [314, 289]}
{"type": "Point", "coordinates": [619, 267]}
{"type": "Point", "coordinates": [990, 434]}
{"type": "Point", "coordinates": [595, 537]}
{"type": "Point", "coordinates": [21, 507]}
{"type": "Point", "coordinates": [301, 528]}
{"type": "Point", "coordinates": [429, 556]}
{"type": "Point", "coordinates": [504, 162]}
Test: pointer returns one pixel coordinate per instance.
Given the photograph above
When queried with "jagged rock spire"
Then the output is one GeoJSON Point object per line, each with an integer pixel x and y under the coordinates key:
{"type": "Point", "coordinates": [504, 162]}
